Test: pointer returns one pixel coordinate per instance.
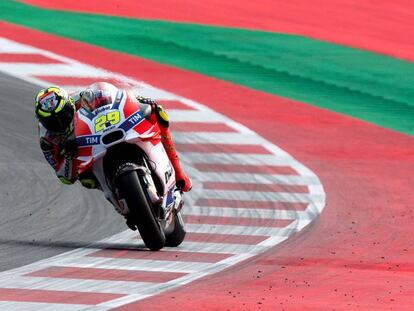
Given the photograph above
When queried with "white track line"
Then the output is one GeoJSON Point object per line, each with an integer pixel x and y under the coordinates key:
{"type": "Point", "coordinates": [237, 158]}
{"type": "Point", "coordinates": [248, 178]}
{"type": "Point", "coordinates": [286, 197]}
{"type": "Point", "coordinates": [8, 46]}
{"type": "Point", "coordinates": [64, 70]}
{"type": "Point", "coordinates": [266, 179]}
{"type": "Point", "coordinates": [218, 138]}
{"type": "Point", "coordinates": [239, 230]}
{"type": "Point", "coordinates": [176, 115]}
{"type": "Point", "coordinates": [245, 213]}
{"type": "Point", "coordinates": [36, 306]}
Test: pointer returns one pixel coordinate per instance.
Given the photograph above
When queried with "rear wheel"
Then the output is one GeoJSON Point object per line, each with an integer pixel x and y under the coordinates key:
{"type": "Point", "coordinates": [141, 213]}
{"type": "Point", "coordinates": [176, 237]}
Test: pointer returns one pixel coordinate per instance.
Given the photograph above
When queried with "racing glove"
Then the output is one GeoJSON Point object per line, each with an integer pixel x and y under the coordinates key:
{"type": "Point", "coordinates": [144, 100]}
{"type": "Point", "coordinates": [69, 148]}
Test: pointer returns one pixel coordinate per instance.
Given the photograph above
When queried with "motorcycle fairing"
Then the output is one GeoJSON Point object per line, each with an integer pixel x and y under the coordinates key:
{"type": "Point", "coordinates": [127, 116]}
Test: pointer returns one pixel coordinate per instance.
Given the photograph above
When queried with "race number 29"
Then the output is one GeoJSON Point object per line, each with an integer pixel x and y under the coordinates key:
{"type": "Point", "coordinates": [106, 120]}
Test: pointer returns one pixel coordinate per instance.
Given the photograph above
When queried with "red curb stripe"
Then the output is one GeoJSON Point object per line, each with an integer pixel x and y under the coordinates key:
{"type": "Point", "coordinates": [223, 148]}
{"type": "Point", "coordinates": [49, 296]}
{"type": "Point", "coordinates": [237, 221]}
{"type": "Point", "coordinates": [106, 274]}
{"type": "Point", "coordinates": [240, 168]}
{"type": "Point", "coordinates": [252, 204]}
{"type": "Point", "coordinates": [161, 255]}
{"type": "Point", "coordinates": [75, 81]}
{"type": "Point", "coordinates": [174, 104]}
{"type": "Point", "coordinates": [200, 127]}
{"type": "Point", "coordinates": [224, 238]}
{"type": "Point", "coordinates": [255, 187]}
{"type": "Point", "coordinates": [26, 58]}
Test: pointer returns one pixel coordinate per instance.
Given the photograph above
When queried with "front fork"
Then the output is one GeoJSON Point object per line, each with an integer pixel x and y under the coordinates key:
{"type": "Point", "coordinates": [165, 214]}
{"type": "Point", "coordinates": [173, 210]}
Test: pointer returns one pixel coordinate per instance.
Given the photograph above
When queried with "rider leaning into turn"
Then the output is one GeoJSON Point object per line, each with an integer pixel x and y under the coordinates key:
{"type": "Point", "coordinates": [55, 110]}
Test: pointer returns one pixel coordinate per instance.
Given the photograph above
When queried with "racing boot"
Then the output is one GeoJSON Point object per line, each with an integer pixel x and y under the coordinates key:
{"type": "Point", "coordinates": [183, 181]}
{"type": "Point", "coordinates": [89, 180]}
{"type": "Point", "coordinates": [131, 224]}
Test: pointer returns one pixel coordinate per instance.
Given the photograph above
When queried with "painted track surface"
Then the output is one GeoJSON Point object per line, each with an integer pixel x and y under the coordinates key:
{"type": "Point", "coordinates": [358, 255]}
{"type": "Point", "coordinates": [261, 196]}
{"type": "Point", "coordinates": [381, 26]}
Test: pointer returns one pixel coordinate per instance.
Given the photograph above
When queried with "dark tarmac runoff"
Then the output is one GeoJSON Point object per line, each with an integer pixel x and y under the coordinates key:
{"type": "Point", "coordinates": [39, 216]}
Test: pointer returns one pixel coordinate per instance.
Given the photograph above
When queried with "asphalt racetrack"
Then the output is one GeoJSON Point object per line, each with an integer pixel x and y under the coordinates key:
{"type": "Point", "coordinates": [40, 217]}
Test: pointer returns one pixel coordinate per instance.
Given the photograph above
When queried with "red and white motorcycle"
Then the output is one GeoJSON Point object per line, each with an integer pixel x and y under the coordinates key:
{"type": "Point", "coordinates": [120, 147]}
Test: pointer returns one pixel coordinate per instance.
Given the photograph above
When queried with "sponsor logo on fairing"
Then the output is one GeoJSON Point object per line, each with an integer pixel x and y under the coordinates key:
{"type": "Point", "coordinates": [101, 109]}
{"type": "Point", "coordinates": [92, 140]}
{"type": "Point", "coordinates": [88, 140]}
{"type": "Point", "coordinates": [132, 121]}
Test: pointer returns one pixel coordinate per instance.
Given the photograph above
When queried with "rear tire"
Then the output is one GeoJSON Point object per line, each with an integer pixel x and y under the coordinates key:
{"type": "Point", "coordinates": [130, 189]}
{"type": "Point", "coordinates": [176, 237]}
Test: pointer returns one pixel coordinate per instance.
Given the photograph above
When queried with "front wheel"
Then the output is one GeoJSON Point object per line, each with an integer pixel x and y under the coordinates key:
{"type": "Point", "coordinates": [130, 189]}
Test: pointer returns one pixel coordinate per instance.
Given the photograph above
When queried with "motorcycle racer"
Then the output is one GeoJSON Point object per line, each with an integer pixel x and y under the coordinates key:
{"type": "Point", "coordinates": [55, 110]}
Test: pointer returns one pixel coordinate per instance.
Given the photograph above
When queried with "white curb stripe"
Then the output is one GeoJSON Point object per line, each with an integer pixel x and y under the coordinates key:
{"type": "Point", "coordinates": [222, 138]}
{"type": "Point", "coordinates": [239, 230]}
{"type": "Point", "coordinates": [245, 213]}
{"type": "Point", "coordinates": [236, 158]}
{"type": "Point", "coordinates": [248, 178]}
{"type": "Point", "coordinates": [286, 197]}
{"type": "Point", "coordinates": [133, 264]}
{"type": "Point", "coordinates": [76, 285]}
{"type": "Point", "coordinates": [217, 248]}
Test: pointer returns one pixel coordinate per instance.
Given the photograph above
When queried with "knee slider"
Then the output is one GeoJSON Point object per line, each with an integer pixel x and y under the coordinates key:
{"type": "Point", "coordinates": [65, 180]}
{"type": "Point", "coordinates": [88, 183]}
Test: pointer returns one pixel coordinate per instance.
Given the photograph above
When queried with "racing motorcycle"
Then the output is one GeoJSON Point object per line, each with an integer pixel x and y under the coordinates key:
{"type": "Point", "coordinates": [121, 149]}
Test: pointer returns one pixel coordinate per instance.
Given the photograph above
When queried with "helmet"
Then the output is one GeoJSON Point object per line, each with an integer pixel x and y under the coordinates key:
{"type": "Point", "coordinates": [97, 95]}
{"type": "Point", "coordinates": [55, 109]}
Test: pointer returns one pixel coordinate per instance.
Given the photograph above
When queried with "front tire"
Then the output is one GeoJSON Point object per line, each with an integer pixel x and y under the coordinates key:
{"type": "Point", "coordinates": [130, 189]}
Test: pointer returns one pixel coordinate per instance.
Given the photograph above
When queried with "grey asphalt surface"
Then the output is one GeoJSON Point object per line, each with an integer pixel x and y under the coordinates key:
{"type": "Point", "coordinates": [40, 217]}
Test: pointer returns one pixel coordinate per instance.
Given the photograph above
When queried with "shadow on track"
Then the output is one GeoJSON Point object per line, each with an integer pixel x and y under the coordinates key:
{"type": "Point", "coordinates": [70, 245]}
{"type": "Point", "coordinates": [40, 217]}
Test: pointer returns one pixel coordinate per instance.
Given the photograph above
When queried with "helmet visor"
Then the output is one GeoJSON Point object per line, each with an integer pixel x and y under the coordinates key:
{"type": "Point", "coordinates": [61, 121]}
